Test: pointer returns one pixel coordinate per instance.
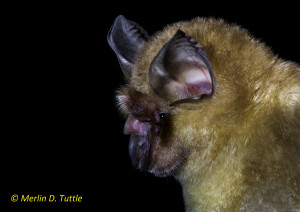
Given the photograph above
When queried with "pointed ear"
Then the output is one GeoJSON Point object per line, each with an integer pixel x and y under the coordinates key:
{"type": "Point", "coordinates": [181, 70]}
{"type": "Point", "coordinates": [126, 38]}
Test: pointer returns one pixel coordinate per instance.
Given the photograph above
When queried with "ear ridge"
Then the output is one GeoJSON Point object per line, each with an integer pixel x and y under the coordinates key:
{"type": "Point", "coordinates": [126, 38]}
{"type": "Point", "coordinates": [181, 70]}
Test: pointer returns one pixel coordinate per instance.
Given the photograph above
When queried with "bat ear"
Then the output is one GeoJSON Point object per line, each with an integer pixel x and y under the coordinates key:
{"type": "Point", "coordinates": [126, 38]}
{"type": "Point", "coordinates": [181, 71]}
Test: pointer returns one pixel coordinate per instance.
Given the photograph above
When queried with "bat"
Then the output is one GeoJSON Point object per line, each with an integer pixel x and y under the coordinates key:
{"type": "Point", "coordinates": [207, 103]}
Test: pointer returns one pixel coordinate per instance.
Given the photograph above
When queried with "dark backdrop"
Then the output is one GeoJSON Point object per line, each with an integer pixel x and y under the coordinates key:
{"type": "Point", "coordinates": [62, 132]}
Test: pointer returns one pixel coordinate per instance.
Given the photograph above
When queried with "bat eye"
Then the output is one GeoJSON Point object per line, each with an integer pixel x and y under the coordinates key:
{"type": "Point", "coordinates": [162, 115]}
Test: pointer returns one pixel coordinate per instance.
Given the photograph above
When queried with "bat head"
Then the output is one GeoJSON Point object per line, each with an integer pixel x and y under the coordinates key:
{"type": "Point", "coordinates": [160, 78]}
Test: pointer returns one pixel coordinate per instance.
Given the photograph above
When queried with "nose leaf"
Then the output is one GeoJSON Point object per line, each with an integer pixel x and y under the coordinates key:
{"type": "Point", "coordinates": [134, 126]}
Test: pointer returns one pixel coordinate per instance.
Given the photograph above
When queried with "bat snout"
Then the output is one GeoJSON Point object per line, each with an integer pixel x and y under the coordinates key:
{"type": "Point", "coordinates": [139, 151]}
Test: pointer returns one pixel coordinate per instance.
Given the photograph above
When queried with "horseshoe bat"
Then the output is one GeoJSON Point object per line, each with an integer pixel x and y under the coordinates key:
{"type": "Point", "coordinates": [212, 106]}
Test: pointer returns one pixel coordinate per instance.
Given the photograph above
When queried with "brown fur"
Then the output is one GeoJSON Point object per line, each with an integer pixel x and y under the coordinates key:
{"type": "Point", "coordinates": [242, 145]}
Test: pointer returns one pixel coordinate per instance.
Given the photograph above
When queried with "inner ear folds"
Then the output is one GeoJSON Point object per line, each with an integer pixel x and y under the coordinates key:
{"type": "Point", "coordinates": [181, 70]}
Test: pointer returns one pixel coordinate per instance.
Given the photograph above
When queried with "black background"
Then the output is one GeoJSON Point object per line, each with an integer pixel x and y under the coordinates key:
{"type": "Point", "coordinates": [62, 132]}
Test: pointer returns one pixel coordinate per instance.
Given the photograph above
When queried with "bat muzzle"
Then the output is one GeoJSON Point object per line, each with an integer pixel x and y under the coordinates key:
{"type": "Point", "coordinates": [139, 151]}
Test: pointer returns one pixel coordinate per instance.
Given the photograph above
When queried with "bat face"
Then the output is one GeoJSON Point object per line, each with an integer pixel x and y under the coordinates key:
{"type": "Point", "coordinates": [150, 146]}
{"type": "Point", "coordinates": [180, 72]}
